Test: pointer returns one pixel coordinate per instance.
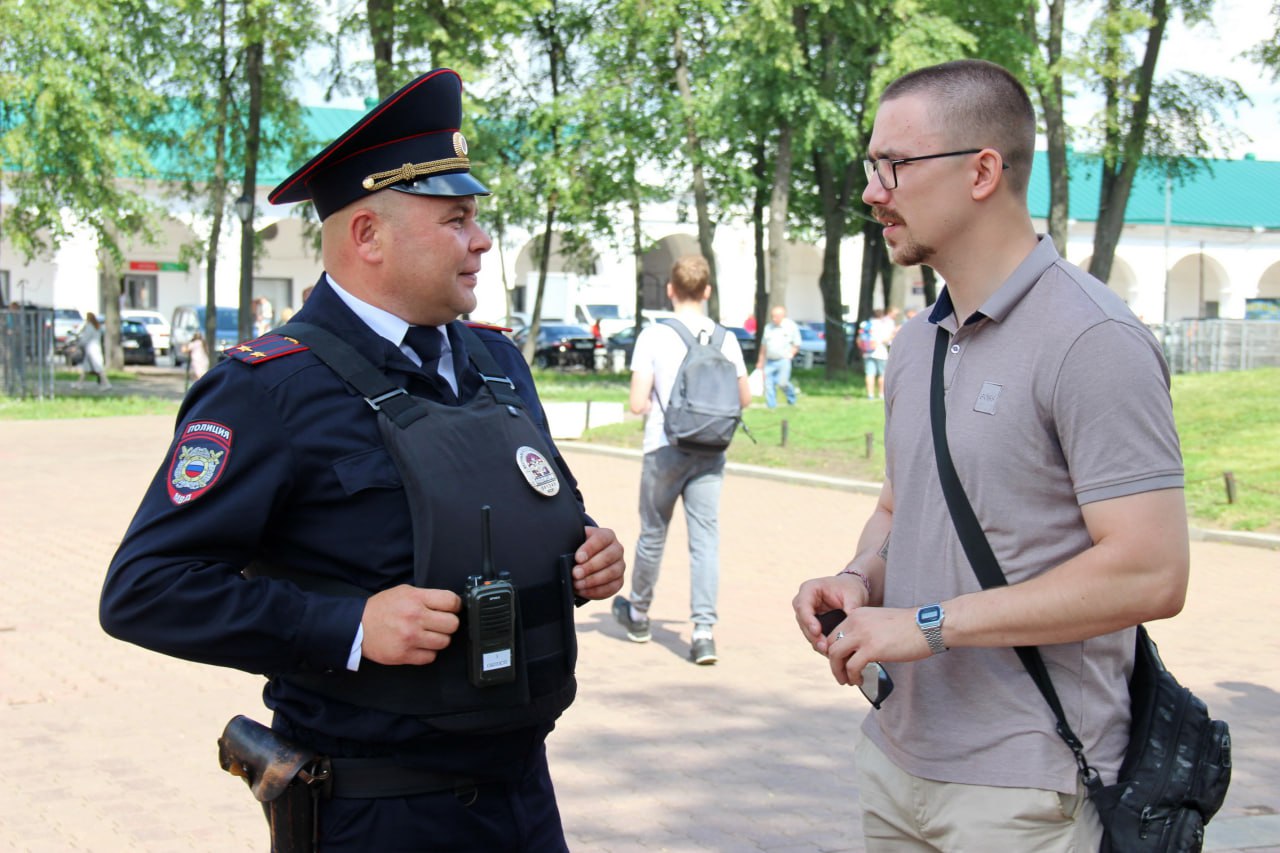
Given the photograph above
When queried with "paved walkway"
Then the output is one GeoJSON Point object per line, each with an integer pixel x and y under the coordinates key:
{"type": "Point", "coordinates": [112, 748]}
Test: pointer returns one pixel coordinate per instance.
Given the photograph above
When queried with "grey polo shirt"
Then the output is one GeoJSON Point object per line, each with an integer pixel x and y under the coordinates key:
{"type": "Point", "coordinates": [1056, 396]}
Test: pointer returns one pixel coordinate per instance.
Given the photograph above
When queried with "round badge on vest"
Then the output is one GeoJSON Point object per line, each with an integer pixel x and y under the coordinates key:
{"type": "Point", "coordinates": [538, 471]}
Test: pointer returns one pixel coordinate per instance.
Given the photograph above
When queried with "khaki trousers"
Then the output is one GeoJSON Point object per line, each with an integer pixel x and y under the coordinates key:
{"type": "Point", "coordinates": [901, 812]}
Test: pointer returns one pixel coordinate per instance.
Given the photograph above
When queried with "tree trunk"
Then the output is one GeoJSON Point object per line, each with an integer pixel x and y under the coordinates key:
{"type": "Point", "coordinates": [1051, 102]}
{"type": "Point", "coordinates": [544, 263]}
{"type": "Point", "coordinates": [1118, 173]}
{"type": "Point", "coordinates": [760, 303]}
{"type": "Point", "coordinates": [217, 189]}
{"type": "Point", "coordinates": [835, 188]}
{"type": "Point", "coordinates": [381, 15]}
{"type": "Point", "coordinates": [929, 279]}
{"type": "Point", "coordinates": [706, 230]}
{"type": "Point", "coordinates": [252, 137]}
{"type": "Point", "coordinates": [779, 201]}
{"type": "Point", "coordinates": [637, 252]}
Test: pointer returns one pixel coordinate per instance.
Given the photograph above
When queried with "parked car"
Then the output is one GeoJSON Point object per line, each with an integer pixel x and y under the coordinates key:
{"type": "Point", "coordinates": [189, 319]}
{"type": "Point", "coordinates": [65, 323]}
{"type": "Point", "coordinates": [813, 349]}
{"type": "Point", "coordinates": [136, 342]}
{"type": "Point", "coordinates": [750, 349]}
{"type": "Point", "coordinates": [624, 342]}
{"type": "Point", "coordinates": [156, 325]}
{"type": "Point", "coordinates": [562, 345]}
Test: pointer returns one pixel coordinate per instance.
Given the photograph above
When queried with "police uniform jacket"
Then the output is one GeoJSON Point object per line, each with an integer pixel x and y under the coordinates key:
{"type": "Point", "coordinates": [304, 480]}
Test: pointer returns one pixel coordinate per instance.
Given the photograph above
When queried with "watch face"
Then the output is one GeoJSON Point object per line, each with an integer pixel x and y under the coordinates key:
{"type": "Point", "coordinates": [929, 615]}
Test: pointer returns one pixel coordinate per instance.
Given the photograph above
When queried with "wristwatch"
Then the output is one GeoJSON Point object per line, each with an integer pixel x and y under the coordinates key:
{"type": "Point", "coordinates": [929, 618]}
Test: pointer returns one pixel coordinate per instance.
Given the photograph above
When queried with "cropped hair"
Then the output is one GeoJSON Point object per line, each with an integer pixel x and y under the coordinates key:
{"type": "Point", "coordinates": [980, 105]}
{"type": "Point", "coordinates": [689, 278]}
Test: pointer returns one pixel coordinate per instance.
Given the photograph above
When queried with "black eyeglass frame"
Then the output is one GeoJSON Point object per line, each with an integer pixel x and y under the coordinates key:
{"type": "Point", "coordinates": [872, 167]}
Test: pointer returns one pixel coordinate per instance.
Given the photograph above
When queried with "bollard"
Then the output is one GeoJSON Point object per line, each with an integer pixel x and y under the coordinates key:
{"type": "Point", "coordinates": [586, 419]}
{"type": "Point", "coordinates": [871, 442]}
{"type": "Point", "coordinates": [1230, 479]}
{"type": "Point", "coordinates": [784, 432]}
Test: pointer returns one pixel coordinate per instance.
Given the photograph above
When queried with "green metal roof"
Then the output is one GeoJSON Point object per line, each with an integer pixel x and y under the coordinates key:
{"type": "Point", "coordinates": [1222, 194]}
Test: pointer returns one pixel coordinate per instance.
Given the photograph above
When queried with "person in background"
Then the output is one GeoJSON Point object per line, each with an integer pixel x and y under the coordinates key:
{"type": "Point", "coordinates": [197, 356]}
{"type": "Point", "coordinates": [670, 473]}
{"type": "Point", "coordinates": [1077, 483]}
{"type": "Point", "coordinates": [780, 345]}
{"type": "Point", "coordinates": [89, 336]}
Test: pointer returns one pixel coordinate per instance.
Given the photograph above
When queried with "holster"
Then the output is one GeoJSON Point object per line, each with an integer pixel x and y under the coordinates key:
{"type": "Point", "coordinates": [286, 779]}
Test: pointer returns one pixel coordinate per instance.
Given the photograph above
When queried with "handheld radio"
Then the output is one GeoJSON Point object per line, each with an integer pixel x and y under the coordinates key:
{"type": "Point", "coordinates": [491, 618]}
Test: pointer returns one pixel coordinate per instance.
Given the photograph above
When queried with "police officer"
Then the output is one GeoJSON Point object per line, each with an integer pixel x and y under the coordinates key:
{"type": "Point", "coordinates": [314, 522]}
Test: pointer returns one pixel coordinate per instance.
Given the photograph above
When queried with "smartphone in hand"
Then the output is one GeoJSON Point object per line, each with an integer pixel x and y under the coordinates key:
{"type": "Point", "coordinates": [876, 683]}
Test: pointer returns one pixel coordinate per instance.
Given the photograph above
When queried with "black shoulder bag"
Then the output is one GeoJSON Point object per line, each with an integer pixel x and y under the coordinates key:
{"type": "Point", "coordinates": [1177, 766]}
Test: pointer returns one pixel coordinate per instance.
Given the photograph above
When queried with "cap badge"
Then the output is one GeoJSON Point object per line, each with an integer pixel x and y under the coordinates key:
{"type": "Point", "coordinates": [459, 144]}
{"type": "Point", "coordinates": [535, 468]}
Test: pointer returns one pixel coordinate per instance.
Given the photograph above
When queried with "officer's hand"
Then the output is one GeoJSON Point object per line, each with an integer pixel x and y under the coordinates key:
{"type": "Point", "coordinates": [408, 625]}
{"type": "Point", "coordinates": [599, 569]}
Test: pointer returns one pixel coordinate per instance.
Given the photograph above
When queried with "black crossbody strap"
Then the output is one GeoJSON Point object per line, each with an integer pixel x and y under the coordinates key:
{"type": "Point", "coordinates": [981, 558]}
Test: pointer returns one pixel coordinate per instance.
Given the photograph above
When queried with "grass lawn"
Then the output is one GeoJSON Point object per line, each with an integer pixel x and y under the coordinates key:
{"type": "Point", "coordinates": [1227, 422]}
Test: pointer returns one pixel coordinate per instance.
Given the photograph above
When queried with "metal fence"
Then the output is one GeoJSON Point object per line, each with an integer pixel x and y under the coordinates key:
{"type": "Point", "coordinates": [27, 353]}
{"type": "Point", "coordinates": [1210, 346]}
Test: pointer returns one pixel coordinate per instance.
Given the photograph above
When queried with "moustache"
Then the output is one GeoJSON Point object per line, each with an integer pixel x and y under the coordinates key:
{"type": "Point", "coordinates": [886, 216]}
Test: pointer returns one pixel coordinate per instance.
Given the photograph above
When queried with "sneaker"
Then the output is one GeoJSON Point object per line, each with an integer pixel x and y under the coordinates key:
{"type": "Point", "coordinates": [703, 652]}
{"type": "Point", "coordinates": [637, 629]}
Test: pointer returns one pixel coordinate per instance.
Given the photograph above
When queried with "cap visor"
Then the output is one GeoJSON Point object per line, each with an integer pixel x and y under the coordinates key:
{"type": "Point", "coordinates": [456, 184]}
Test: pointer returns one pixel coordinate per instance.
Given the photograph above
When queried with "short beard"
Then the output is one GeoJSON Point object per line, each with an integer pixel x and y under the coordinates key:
{"type": "Point", "coordinates": [908, 255]}
{"type": "Point", "coordinates": [911, 254]}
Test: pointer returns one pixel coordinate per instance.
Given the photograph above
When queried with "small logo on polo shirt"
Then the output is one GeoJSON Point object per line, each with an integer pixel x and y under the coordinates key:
{"type": "Point", "coordinates": [987, 398]}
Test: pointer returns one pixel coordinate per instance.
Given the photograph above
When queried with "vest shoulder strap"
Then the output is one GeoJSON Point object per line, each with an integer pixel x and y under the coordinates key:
{"type": "Point", "coordinates": [376, 387]}
{"type": "Point", "coordinates": [502, 388]}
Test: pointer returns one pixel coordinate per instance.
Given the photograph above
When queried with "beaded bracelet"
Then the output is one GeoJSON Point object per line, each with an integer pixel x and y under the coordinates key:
{"type": "Point", "coordinates": [860, 576]}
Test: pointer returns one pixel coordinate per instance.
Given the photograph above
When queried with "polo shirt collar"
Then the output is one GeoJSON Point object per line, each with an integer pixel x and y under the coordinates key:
{"type": "Point", "coordinates": [1016, 286]}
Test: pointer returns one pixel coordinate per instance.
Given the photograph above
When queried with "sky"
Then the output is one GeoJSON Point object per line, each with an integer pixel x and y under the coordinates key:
{"type": "Point", "coordinates": [1212, 48]}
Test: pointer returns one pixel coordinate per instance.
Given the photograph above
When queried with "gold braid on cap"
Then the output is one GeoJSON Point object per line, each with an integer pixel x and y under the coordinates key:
{"type": "Point", "coordinates": [413, 171]}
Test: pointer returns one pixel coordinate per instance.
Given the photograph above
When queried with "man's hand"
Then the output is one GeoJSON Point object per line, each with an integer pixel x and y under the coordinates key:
{"type": "Point", "coordinates": [817, 596]}
{"type": "Point", "coordinates": [599, 565]}
{"type": "Point", "coordinates": [408, 625]}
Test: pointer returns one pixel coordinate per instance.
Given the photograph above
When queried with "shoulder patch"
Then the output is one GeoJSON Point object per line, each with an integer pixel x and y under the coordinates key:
{"type": "Point", "coordinates": [488, 326]}
{"type": "Point", "coordinates": [265, 348]}
{"type": "Point", "coordinates": [198, 461]}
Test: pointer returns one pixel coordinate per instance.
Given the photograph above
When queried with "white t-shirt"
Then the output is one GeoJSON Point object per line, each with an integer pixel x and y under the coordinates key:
{"type": "Point", "coordinates": [660, 351]}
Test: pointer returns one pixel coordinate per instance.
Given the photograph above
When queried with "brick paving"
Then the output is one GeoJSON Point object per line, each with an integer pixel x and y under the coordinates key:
{"type": "Point", "coordinates": [112, 748]}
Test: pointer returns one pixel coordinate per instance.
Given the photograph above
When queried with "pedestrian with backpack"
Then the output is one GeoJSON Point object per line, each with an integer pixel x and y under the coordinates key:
{"type": "Point", "coordinates": [689, 379]}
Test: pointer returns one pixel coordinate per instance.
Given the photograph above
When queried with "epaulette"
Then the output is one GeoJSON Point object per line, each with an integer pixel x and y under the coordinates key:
{"type": "Point", "coordinates": [488, 326]}
{"type": "Point", "coordinates": [265, 348]}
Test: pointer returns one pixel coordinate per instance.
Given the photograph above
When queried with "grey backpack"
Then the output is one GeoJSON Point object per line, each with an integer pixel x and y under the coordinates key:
{"type": "Point", "coordinates": [704, 410]}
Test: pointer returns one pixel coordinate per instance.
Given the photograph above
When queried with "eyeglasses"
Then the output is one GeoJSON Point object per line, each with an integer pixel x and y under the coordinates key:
{"type": "Point", "coordinates": [890, 180]}
{"type": "Point", "coordinates": [876, 684]}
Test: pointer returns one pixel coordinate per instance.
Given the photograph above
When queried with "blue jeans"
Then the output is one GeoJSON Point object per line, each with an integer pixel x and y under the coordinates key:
{"type": "Point", "coordinates": [667, 474]}
{"type": "Point", "coordinates": [777, 371]}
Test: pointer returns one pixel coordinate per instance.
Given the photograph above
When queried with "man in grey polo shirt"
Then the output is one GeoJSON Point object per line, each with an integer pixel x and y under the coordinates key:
{"type": "Point", "coordinates": [1061, 430]}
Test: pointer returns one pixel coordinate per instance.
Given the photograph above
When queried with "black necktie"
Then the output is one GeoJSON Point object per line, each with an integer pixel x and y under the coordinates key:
{"type": "Point", "coordinates": [427, 342]}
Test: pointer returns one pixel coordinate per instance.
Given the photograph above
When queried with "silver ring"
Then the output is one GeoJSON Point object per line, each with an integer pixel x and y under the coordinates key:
{"type": "Point", "coordinates": [839, 635]}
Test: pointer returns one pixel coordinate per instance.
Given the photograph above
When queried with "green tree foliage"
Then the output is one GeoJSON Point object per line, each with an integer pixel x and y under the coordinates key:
{"type": "Point", "coordinates": [1170, 123]}
{"type": "Point", "coordinates": [77, 112]}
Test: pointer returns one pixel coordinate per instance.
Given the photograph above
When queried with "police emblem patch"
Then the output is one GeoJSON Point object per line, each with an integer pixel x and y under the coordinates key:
{"type": "Point", "coordinates": [198, 460]}
{"type": "Point", "coordinates": [538, 471]}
